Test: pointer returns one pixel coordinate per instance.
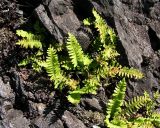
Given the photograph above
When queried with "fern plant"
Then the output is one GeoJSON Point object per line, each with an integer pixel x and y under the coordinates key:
{"type": "Point", "coordinates": [122, 114]}
{"type": "Point", "coordinates": [78, 71]}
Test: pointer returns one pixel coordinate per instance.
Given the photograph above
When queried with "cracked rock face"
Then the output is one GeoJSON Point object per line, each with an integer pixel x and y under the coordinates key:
{"type": "Point", "coordinates": [10, 118]}
{"type": "Point", "coordinates": [138, 27]}
{"type": "Point", "coordinates": [59, 17]}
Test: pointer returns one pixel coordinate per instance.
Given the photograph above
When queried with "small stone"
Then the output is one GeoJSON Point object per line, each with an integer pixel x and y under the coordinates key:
{"type": "Point", "coordinates": [91, 102]}
{"type": "Point", "coordinates": [71, 121]}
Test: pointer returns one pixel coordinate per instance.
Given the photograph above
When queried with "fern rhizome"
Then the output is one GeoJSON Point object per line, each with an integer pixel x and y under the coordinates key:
{"type": "Point", "coordinates": [79, 71]}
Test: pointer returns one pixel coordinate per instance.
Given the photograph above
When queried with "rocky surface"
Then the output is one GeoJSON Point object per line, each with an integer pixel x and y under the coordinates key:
{"type": "Point", "coordinates": [27, 100]}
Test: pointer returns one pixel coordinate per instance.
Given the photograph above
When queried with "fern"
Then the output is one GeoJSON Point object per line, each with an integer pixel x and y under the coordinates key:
{"type": "Point", "coordinates": [130, 73]}
{"type": "Point", "coordinates": [53, 67]}
{"type": "Point", "coordinates": [101, 26]}
{"type": "Point", "coordinates": [125, 117]}
{"type": "Point", "coordinates": [135, 104]}
{"type": "Point", "coordinates": [75, 52]}
{"type": "Point", "coordinates": [114, 105]}
{"type": "Point", "coordinates": [81, 73]}
{"type": "Point", "coordinates": [29, 40]}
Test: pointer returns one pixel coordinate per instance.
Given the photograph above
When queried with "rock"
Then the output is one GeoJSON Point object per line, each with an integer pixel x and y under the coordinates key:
{"type": "Point", "coordinates": [71, 121]}
{"type": "Point", "coordinates": [15, 119]}
{"type": "Point", "coordinates": [48, 121]}
{"type": "Point", "coordinates": [10, 118]}
{"type": "Point", "coordinates": [91, 103]}
{"type": "Point", "coordinates": [59, 18]}
{"type": "Point", "coordinates": [6, 91]}
{"type": "Point", "coordinates": [36, 108]}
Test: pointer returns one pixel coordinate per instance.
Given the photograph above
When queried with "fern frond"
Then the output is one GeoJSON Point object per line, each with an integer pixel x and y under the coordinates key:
{"type": "Point", "coordinates": [156, 119]}
{"type": "Point", "coordinates": [53, 67]}
{"type": "Point", "coordinates": [29, 40]}
{"type": "Point", "coordinates": [76, 53]}
{"type": "Point", "coordinates": [135, 104]}
{"type": "Point", "coordinates": [101, 26]}
{"type": "Point", "coordinates": [72, 84]}
{"type": "Point", "coordinates": [142, 122]}
{"type": "Point", "coordinates": [112, 35]}
{"type": "Point", "coordinates": [90, 87]}
{"type": "Point", "coordinates": [114, 104]}
{"type": "Point", "coordinates": [109, 53]}
{"type": "Point", "coordinates": [74, 49]}
{"type": "Point", "coordinates": [130, 73]}
{"type": "Point", "coordinates": [87, 22]}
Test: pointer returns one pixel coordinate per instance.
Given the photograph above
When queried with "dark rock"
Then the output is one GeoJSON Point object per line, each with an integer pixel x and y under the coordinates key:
{"type": "Point", "coordinates": [133, 26]}
{"type": "Point", "coordinates": [15, 119]}
{"type": "Point", "coordinates": [71, 121]}
{"type": "Point", "coordinates": [91, 103]}
{"type": "Point", "coordinates": [48, 121]}
{"type": "Point", "coordinates": [59, 18]}
{"type": "Point", "coordinates": [10, 118]}
{"type": "Point", "coordinates": [138, 27]}
{"type": "Point", "coordinates": [6, 91]}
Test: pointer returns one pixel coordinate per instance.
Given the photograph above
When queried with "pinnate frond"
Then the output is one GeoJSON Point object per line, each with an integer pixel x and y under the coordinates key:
{"type": "Point", "coordinates": [101, 26]}
{"type": "Point", "coordinates": [53, 67]}
{"type": "Point", "coordinates": [76, 53]}
{"type": "Point", "coordinates": [28, 40]}
{"type": "Point", "coordinates": [114, 104]}
{"type": "Point", "coordinates": [136, 103]}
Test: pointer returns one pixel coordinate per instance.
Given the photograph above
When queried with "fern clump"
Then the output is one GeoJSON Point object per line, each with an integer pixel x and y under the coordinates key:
{"type": "Point", "coordinates": [78, 71]}
{"type": "Point", "coordinates": [124, 114]}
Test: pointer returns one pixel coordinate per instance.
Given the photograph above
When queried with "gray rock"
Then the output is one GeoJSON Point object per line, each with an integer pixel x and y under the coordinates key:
{"type": "Point", "coordinates": [15, 119]}
{"type": "Point", "coordinates": [71, 121]}
{"type": "Point", "coordinates": [6, 91]}
{"type": "Point", "coordinates": [10, 118]}
{"type": "Point", "coordinates": [59, 18]}
{"type": "Point", "coordinates": [48, 121]}
{"type": "Point", "coordinates": [92, 103]}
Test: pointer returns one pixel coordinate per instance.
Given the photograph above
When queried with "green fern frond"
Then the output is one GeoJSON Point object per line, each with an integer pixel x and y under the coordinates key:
{"type": "Point", "coordinates": [130, 72]}
{"type": "Point", "coordinates": [136, 103]}
{"type": "Point", "coordinates": [142, 122]}
{"type": "Point", "coordinates": [101, 26]}
{"type": "Point", "coordinates": [29, 40]}
{"type": "Point", "coordinates": [112, 35]}
{"type": "Point", "coordinates": [156, 119]}
{"type": "Point", "coordinates": [109, 53]}
{"type": "Point", "coordinates": [53, 68]}
{"type": "Point", "coordinates": [87, 22]}
{"type": "Point", "coordinates": [90, 87]}
{"type": "Point", "coordinates": [114, 104]}
{"type": "Point", "coordinates": [75, 50]}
